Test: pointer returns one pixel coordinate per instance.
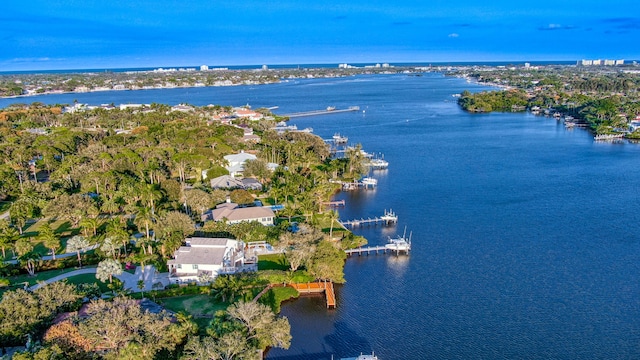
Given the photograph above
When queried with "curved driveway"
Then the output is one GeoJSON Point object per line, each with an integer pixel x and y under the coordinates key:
{"type": "Point", "coordinates": [63, 276]}
{"type": "Point", "coordinates": [130, 281]}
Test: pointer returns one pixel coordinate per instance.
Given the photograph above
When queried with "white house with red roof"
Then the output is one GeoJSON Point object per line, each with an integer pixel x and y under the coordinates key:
{"type": "Point", "coordinates": [248, 114]}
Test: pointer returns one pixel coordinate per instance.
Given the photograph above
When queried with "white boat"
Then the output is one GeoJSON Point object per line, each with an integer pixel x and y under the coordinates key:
{"type": "Point", "coordinates": [378, 164]}
{"type": "Point", "coordinates": [368, 181]}
{"type": "Point", "coordinates": [282, 127]}
{"type": "Point", "coordinates": [601, 137]}
{"type": "Point", "coordinates": [400, 243]}
{"type": "Point", "coordinates": [339, 139]}
{"type": "Point", "coordinates": [362, 357]}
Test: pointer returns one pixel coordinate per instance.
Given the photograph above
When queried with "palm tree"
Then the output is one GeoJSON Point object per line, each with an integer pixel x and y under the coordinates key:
{"type": "Point", "coordinates": [26, 255]}
{"type": "Point", "coordinates": [149, 194]}
{"type": "Point", "coordinates": [107, 269]}
{"type": "Point", "coordinates": [226, 287]}
{"type": "Point", "coordinates": [87, 224]}
{"type": "Point", "coordinates": [49, 238]}
{"type": "Point", "coordinates": [144, 220]}
{"type": "Point", "coordinates": [77, 244]}
{"type": "Point", "coordinates": [333, 216]}
{"type": "Point", "coordinates": [29, 260]}
{"type": "Point", "coordinates": [23, 246]}
{"type": "Point", "coordinates": [118, 233]}
{"type": "Point", "coordinates": [110, 246]}
{"type": "Point", "coordinates": [8, 237]}
{"type": "Point", "coordinates": [110, 206]}
{"type": "Point", "coordinates": [141, 285]}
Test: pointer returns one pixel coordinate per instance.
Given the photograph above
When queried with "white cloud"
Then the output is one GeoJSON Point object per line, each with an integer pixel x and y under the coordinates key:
{"type": "Point", "coordinates": [40, 59]}
{"type": "Point", "coordinates": [453, 35]}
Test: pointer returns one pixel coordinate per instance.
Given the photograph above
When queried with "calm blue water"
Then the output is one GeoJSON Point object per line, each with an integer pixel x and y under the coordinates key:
{"type": "Point", "coordinates": [525, 234]}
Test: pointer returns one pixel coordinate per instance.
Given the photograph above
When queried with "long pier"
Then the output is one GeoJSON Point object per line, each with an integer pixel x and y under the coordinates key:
{"type": "Point", "coordinates": [334, 203]}
{"type": "Point", "coordinates": [377, 249]}
{"type": "Point", "coordinates": [321, 112]}
{"type": "Point", "coordinates": [389, 218]}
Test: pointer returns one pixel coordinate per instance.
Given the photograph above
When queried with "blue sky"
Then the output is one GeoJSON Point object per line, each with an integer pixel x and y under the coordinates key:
{"type": "Point", "coordinates": [73, 34]}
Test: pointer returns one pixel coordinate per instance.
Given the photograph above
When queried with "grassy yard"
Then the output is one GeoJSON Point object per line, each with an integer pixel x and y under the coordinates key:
{"type": "Point", "coordinates": [194, 304]}
{"type": "Point", "coordinates": [40, 276]}
{"type": "Point", "coordinates": [202, 307]}
{"type": "Point", "coordinates": [273, 262]}
{"type": "Point", "coordinates": [88, 279]}
{"type": "Point", "coordinates": [338, 230]}
{"type": "Point", "coordinates": [62, 228]}
{"type": "Point", "coordinates": [280, 295]}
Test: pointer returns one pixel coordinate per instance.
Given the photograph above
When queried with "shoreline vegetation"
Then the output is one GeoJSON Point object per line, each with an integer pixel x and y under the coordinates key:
{"type": "Point", "coordinates": [603, 98]}
{"type": "Point", "coordinates": [131, 183]}
{"type": "Point", "coordinates": [24, 85]}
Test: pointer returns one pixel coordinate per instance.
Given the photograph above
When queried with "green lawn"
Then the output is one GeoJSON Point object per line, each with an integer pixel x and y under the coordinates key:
{"type": "Point", "coordinates": [282, 294]}
{"type": "Point", "coordinates": [61, 227]}
{"type": "Point", "coordinates": [196, 305]}
{"type": "Point", "coordinates": [324, 223]}
{"type": "Point", "coordinates": [272, 262]}
{"type": "Point", "coordinates": [40, 276]}
{"type": "Point", "coordinates": [88, 279]}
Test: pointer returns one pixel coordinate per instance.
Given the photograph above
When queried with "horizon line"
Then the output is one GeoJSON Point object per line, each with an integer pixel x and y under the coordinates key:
{"type": "Point", "coordinates": [294, 65]}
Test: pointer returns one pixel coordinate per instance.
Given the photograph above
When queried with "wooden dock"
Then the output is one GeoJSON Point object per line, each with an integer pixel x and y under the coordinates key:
{"type": "Point", "coordinates": [389, 218]}
{"type": "Point", "coordinates": [325, 287]}
{"type": "Point", "coordinates": [321, 112]}
{"type": "Point", "coordinates": [334, 203]}
{"type": "Point", "coordinates": [367, 250]}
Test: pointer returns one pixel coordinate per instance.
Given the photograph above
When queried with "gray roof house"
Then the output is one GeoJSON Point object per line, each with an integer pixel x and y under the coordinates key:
{"type": "Point", "coordinates": [229, 182]}
{"type": "Point", "coordinates": [234, 214]}
{"type": "Point", "coordinates": [251, 184]}
{"type": "Point", "coordinates": [236, 162]}
{"type": "Point", "coordinates": [226, 182]}
{"type": "Point", "coordinates": [206, 256]}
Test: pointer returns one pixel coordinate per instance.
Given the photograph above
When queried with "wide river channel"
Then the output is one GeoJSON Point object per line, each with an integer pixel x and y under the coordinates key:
{"type": "Point", "coordinates": [525, 234]}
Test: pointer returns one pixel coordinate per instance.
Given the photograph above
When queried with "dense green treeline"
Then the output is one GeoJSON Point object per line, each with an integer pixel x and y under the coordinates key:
{"type": "Point", "coordinates": [608, 100]}
{"type": "Point", "coordinates": [97, 177]}
{"type": "Point", "coordinates": [512, 100]}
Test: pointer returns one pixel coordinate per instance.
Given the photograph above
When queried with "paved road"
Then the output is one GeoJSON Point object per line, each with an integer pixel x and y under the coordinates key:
{"type": "Point", "coordinates": [64, 276]}
{"type": "Point", "coordinates": [130, 281]}
{"type": "Point", "coordinates": [58, 256]}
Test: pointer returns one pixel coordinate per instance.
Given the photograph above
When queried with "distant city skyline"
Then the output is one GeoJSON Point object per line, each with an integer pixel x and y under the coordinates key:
{"type": "Point", "coordinates": [75, 34]}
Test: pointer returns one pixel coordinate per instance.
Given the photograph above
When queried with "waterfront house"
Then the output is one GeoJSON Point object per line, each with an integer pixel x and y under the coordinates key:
{"type": "Point", "coordinates": [247, 114]}
{"type": "Point", "coordinates": [206, 257]}
{"type": "Point", "coordinates": [236, 162]}
{"type": "Point", "coordinates": [183, 108]}
{"type": "Point", "coordinates": [232, 213]}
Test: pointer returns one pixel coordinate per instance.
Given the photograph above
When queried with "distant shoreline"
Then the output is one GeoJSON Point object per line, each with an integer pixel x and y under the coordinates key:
{"type": "Point", "coordinates": [28, 84]}
{"type": "Point", "coordinates": [108, 90]}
